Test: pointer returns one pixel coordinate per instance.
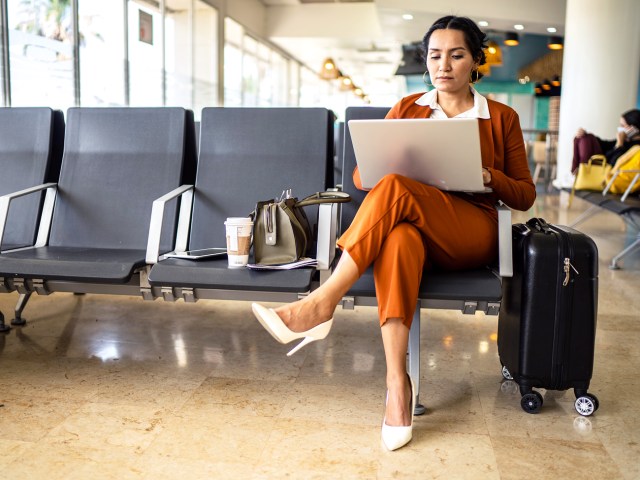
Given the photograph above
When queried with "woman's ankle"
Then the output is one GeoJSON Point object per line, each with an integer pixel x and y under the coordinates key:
{"type": "Point", "coordinates": [305, 314]}
{"type": "Point", "coordinates": [397, 380]}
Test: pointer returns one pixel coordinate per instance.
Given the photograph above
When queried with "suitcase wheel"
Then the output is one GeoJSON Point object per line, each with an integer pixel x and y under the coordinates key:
{"type": "Point", "coordinates": [531, 402]}
{"type": "Point", "coordinates": [587, 404]}
{"type": "Point", "coordinates": [506, 374]}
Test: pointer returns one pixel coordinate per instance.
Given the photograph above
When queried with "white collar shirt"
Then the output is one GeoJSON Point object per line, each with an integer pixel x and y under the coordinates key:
{"type": "Point", "coordinates": [480, 107]}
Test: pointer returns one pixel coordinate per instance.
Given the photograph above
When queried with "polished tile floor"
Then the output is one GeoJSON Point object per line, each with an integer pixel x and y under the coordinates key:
{"type": "Point", "coordinates": [111, 387]}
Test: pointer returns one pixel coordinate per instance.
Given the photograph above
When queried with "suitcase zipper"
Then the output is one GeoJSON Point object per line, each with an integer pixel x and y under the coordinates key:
{"type": "Point", "coordinates": [567, 271]}
{"type": "Point", "coordinates": [564, 299]}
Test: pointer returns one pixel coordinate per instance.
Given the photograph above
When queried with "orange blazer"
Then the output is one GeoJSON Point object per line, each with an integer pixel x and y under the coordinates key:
{"type": "Point", "coordinates": [503, 154]}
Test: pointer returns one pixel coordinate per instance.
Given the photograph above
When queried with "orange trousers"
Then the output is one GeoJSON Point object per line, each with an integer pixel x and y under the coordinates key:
{"type": "Point", "coordinates": [403, 225]}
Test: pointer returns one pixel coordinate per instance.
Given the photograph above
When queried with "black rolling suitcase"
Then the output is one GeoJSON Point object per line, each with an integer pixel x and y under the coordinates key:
{"type": "Point", "coordinates": [547, 322]}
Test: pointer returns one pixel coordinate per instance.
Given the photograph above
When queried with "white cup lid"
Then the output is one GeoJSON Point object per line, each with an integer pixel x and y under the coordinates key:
{"type": "Point", "coordinates": [239, 220]}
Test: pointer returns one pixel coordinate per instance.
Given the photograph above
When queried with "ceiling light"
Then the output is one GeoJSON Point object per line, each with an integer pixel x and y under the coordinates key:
{"type": "Point", "coordinates": [346, 83]}
{"type": "Point", "coordinates": [493, 54]}
{"type": "Point", "coordinates": [552, 29]}
{"type": "Point", "coordinates": [483, 23]}
{"type": "Point", "coordinates": [555, 43]}
{"type": "Point", "coordinates": [407, 16]}
{"type": "Point", "coordinates": [329, 70]}
{"type": "Point", "coordinates": [518, 27]}
{"type": "Point", "coordinates": [511, 39]}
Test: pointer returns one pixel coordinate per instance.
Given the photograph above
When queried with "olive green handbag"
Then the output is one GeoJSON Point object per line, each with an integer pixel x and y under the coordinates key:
{"type": "Point", "coordinates": [281, 230]}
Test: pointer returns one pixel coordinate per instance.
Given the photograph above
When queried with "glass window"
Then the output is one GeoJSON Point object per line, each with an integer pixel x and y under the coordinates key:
{"type": "Point", "coordinates": [279, 67]}
{"type": "Point", "coordinates": [255, 74]}
{"type": "Point", "coordinates": [3, 101]}
{"type": "Point", "coordinates": [233, 32]}
{"type": "Point", "coordinates": [205, 64]}
{"type": "Point", "coordinates": [265, 85]}
{"type": "Point", "coordinates": [232, 76]}
{"type": "Point", "coordinates": [294, 84]}
{"type": "Point", "coordinates": [41, 53]}
{"type": "Point", "coordinates": [145, 55]}
{"type": "Point", "coordinates": [102, 80]}
{"type": "Point", "coordinates": [250, 78]}
{"type": "Point", "coordinates": [178, 60]}
{"type": "Point", "coordinates": [313, 90]}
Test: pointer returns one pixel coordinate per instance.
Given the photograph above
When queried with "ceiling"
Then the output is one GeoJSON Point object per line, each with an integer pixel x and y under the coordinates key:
{"type": "Point", "coordinates": [365, 37]}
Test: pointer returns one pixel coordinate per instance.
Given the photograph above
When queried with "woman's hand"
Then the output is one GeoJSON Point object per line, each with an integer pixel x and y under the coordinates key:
{"type": "Point", "coordinates": [486, 176]}
{"type": "Point", "coordinates": [620, 139]}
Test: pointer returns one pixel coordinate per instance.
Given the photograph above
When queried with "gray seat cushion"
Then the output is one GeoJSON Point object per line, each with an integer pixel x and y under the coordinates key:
{"type": "Point", "coordinates": [79, 264]}
{"type": "Point", "coordinates": [214, 274]}
{"type": "Point", "coordinates": [479, 285]}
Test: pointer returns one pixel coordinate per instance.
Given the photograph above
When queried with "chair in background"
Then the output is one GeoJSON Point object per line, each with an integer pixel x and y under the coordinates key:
{"type": "Point", "coordinates": [116, 162]}
{"type": "Point", "coordinates": [543, 157]}
{"type": "Point", "coordinates": [30, 154]}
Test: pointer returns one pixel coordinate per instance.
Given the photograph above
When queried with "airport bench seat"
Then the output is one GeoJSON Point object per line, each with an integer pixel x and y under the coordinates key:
{"type": "Point", "coordinates": [31, 141]}
{"type": "Point", "coordinates": [247, 155]}
{"type": "Point", "coordinates": [625, 205]}
{"type": "Point", "coordinates": [467, 290]}
{"type": "Point", "coordinates": [95, 222]}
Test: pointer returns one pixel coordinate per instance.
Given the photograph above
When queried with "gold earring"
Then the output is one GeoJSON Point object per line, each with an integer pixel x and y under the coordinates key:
{"type": "Point", "coordinates": [471, 80]}
{"type": "Point", "coordinates": [424, 79]}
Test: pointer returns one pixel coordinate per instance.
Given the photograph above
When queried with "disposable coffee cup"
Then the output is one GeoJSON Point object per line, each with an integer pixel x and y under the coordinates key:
{"type": "Point", "coordinates": [239, 231]}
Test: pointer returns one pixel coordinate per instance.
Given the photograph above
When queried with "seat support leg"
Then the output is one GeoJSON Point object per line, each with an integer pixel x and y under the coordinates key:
{"type": "Point", "coordinates": [414, 359]}
{"type": "Point", "coordinates": [614, 262]}
{"type": "Point", "coordinates": [4, 328]}
{"type": "Point", "coordinates": [22, 303]}
{"type": "Point", "coordinates": [591, 211]}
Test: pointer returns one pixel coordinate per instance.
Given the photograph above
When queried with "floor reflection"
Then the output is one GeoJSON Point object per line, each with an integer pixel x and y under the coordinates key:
{"type": "Point", "coordinates": [156, 390]}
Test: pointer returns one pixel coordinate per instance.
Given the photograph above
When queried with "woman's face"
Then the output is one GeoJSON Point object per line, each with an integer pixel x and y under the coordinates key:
{"type": "Point", "coordinates": [449, 61]}
{"type": "Point", "coordinates": [630, 131]}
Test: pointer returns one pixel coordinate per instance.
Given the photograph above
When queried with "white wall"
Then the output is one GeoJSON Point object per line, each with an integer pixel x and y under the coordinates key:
{"type": "Point", "coordinates": [600, 72]}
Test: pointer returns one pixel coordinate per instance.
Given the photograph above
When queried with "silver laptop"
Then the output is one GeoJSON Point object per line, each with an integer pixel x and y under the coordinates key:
{"type": "Point", "coordinates": [443, 153]}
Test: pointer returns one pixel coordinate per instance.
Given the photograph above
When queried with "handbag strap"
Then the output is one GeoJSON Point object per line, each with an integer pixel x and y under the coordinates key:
{"type": "Point", "coordinates": [597, 159]}
{"type": "Point", "coordinates": [324, 197]}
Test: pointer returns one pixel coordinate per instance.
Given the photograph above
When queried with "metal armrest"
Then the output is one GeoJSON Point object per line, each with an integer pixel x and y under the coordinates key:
{"type": "Point", "coordinates": [608, 185]}
{"type": "Point", "coordinates": [629, 188]}
{"type": "Point", "coordinates": [328, 214]}
{"type": "Point", "coordinates": [632, 184]}
{"type": "Point", "coordinates": [505, 245]}
{"type": "Point", "coordinates": [45, 217]}
{"type": "Point", "coordinates": [157, 216]}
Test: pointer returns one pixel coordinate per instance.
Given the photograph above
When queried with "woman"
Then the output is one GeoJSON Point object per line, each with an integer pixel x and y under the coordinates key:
{"type": "Point", "coordinates": [586, 144]}
{"type": "Point", "coordinates": [403, 224]}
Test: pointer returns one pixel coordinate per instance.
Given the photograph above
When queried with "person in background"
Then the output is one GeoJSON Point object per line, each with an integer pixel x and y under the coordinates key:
{"type": "Point", "coordinates": [585, 144]}
{"type": "Point", "coordinates": [404, 225]}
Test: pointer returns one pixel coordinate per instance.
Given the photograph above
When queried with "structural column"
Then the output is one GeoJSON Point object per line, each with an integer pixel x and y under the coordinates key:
{"type": "Point", "coordinates": [600, 72]}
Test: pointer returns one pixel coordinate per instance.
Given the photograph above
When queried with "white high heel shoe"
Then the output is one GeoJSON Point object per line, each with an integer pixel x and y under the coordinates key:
{"type": "Point", "coordinates": [273, 324]}
{"type": "Point", "coordinates": [396, 437]}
